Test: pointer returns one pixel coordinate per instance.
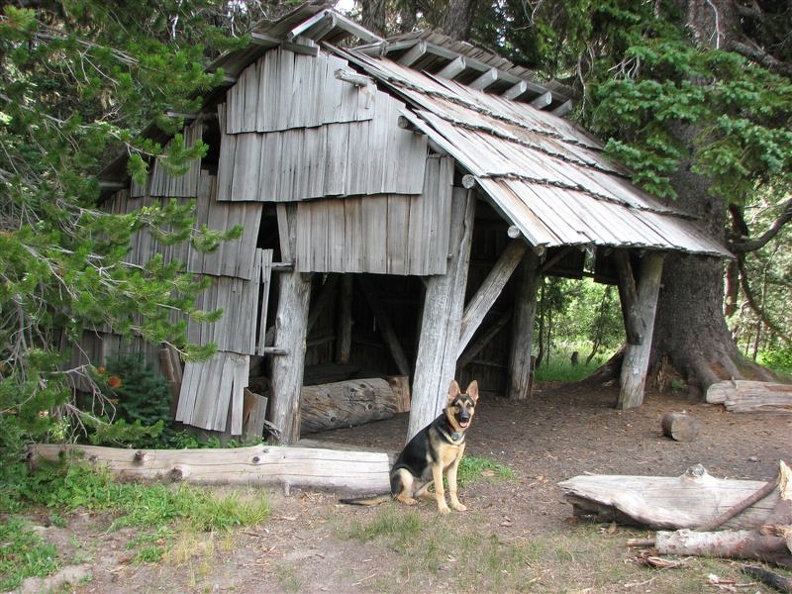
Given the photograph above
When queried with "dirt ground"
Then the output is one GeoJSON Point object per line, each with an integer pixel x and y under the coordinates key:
{"type": "Point", "coordinates": [558, 434]}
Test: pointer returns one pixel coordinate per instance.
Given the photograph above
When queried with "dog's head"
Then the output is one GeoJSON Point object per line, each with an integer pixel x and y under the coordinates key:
{"type": "Point", "coordinates": [461, 406]}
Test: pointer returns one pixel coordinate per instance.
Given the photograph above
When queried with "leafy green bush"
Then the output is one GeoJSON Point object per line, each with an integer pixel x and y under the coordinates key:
{"type": "Point", "coordinates": [779, 360]}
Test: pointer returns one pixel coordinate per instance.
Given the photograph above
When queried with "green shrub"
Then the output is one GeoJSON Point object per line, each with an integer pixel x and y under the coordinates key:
{"type": "Point", "coordinates": [779, 360]}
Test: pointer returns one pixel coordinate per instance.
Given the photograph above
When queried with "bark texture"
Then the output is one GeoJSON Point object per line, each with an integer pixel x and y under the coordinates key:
{"type": "Point", "coordinates": [459, 18]}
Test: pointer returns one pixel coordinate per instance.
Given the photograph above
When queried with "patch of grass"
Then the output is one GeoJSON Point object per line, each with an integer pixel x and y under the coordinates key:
{"type": "Point", "coordinates": [172, 511]}
{"type": "Point", "coordinates": [473, 468]}
{"type": "Point", "coordinates": [398, 526]}
{"type": "Point", "coordinates": [457, 554]}
{"type": "Point", "coordinates": [23, 554]}
{"type": "Point", "coordinates": [560, 368]}
{"type": "Point", "coordinates": [288, 578]}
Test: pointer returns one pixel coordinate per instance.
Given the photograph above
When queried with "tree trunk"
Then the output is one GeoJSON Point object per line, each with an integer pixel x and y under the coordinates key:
{"type": "Point", "coordinates": [690, 329]}
{"type": "Point", "coordinates": [459, 19]}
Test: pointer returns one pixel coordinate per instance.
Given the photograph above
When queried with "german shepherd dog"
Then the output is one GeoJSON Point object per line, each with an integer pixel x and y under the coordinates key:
{"type": "Point", "coordinates": [434, 450]}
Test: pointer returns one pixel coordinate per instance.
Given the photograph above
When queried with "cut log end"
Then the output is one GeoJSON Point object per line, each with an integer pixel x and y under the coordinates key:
{"type": "Point", "coordinates": [681, 426]}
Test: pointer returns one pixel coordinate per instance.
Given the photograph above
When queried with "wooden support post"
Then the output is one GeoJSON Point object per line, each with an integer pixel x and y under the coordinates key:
{"type": "Point", "coordinates": [442, 318]}
{"type": "Point", "coordinates": [490, 290]}
{"type": "Point", "coordinates": [520, 366]}
{"type": "Point", "coordinates": [291, 330]}
{"type": "Point", "coordinates": [639, 304]}
{"type": "Point", "coordinates": [344, 332]}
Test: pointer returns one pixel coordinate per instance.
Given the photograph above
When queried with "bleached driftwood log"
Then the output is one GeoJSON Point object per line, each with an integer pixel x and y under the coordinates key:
{"type": "Point", "coordinates": [749, 396]}
{"type": "Point", "coordinates": [686, 501]}
{"type": "Point", "coordinates": [351, 402]}
{"type": "Point", "coordinates": [261, 464]}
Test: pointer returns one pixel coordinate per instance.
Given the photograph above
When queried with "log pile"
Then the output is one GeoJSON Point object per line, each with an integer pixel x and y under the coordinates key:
{"type": "Point", "coordinates": [748, 396]}
{"type": "Point", "coordinates": [695, 514]}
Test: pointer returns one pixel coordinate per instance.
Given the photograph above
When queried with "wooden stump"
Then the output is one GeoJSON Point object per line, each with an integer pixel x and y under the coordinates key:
{"type": "Point", "coordinates": [680, 426]}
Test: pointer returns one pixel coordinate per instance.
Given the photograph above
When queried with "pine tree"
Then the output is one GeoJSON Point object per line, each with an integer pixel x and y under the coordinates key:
{"type": "Point", "coordinates": [78, 83]}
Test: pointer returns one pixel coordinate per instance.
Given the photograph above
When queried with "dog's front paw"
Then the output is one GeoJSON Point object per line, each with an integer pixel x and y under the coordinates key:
{"type": "Point", "coordinates": [443, 509]}
{"type": "Point", "coordinates": [458, 506]}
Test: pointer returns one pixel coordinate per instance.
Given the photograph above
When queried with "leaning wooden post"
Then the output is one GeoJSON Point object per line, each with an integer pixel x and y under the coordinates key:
{"type": "Point", "coordinates": [522, 329]}
{"type": "Point", "coordinates": [444, 302]}
{"type": "Point", "coordinates": [640, 309]}
{"type": "Point", "coordinates": [291, 329]}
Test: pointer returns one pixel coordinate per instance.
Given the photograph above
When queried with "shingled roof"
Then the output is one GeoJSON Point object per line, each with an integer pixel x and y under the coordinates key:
{"type": "Point", "coordinates": [549, 178]}
{"type": "Point", "coordinates": [545, 175]}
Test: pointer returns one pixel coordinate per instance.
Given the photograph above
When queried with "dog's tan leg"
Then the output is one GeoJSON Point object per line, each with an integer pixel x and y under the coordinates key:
{"type": "Point", "coordinates": [437, 474]}
{"type": "Point", "coordinates": [405, 495]}
{"type": "Point", "coordinates": [452, 486]}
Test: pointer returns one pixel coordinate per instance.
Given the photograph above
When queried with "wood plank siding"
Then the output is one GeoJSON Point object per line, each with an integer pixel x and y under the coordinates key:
{"type": "Point", "coordinates": [239, 300]}
{"type": "Point", "coordinates": [385, 233]}
{"type": "Point", "coordinates": [285, 90]}
{"type": "Point", "coordinates": [232, 258]}
{"type": "Point", "coordinates": [211, 389]}
{"type": "Point", "coordinates": [294, 154]}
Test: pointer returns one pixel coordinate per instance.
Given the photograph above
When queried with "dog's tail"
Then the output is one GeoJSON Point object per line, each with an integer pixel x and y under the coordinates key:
{"type": "Point", "coordinates": [375, 500]}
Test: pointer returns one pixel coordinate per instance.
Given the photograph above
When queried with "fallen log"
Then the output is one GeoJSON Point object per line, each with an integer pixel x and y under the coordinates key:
{"type": "Point", "coordinates": [771, 543]}
{"type": "Point", "coordinates": [351, 402]}
{"type": "Point", "coordinates": [261, 464]}
{"type": "Point", "coordinates": [750, 396]}
{"type": "Point", "coordinates": [729, 544]}
{"type": "Point", "coordinates": [686, 501]}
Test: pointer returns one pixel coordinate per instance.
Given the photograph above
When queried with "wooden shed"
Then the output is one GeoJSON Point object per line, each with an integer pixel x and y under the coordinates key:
{"type": "Point", "coordinates": [400, 201]}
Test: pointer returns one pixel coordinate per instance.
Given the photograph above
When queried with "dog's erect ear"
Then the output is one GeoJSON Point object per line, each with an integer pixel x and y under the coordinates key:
{"type": "Point", "coordinates": [453, 390]}
{"type": "Point", "coordinates": [472, 390]}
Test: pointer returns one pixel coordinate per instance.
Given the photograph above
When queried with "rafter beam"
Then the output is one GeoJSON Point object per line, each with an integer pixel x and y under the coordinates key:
{"type": "Point", "coordinates": [453, 68]}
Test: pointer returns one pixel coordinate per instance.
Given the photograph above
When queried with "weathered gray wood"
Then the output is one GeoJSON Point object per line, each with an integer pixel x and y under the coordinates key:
{"type": "Point", "coordinates": [261, 464]}
{"type": "Point", "coordinates": [490, 290]}
{"type": "Point", "coordinates": [751, 396]}
{"type": "Point", "coordinates": [263, 99]}
{"type": "Point", "coordinates": [442, 318]}
{"type": "Point", "coordinates": [254, 416]}
{"type": "Point", "coordinates": [212, 388]}
{"type": "Point", "coordinates": [346, 404]}
{"type": "Point", "coordinates": [687, 501]}
{"type": "Point", "coordinates": [520, 362]}
{"type": "Point", "coordinates": [641, 319]}
{"type": "Point", "coordinates": [344, 331]}
{"type": "Point", "coordinates": [291, 325]}
{"type": "Point", "coordinates": [680, 426]}
{"type": "Point", "coordinates": [249, 173]}
{"type": "Point", "coordinates": [385, 326]}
